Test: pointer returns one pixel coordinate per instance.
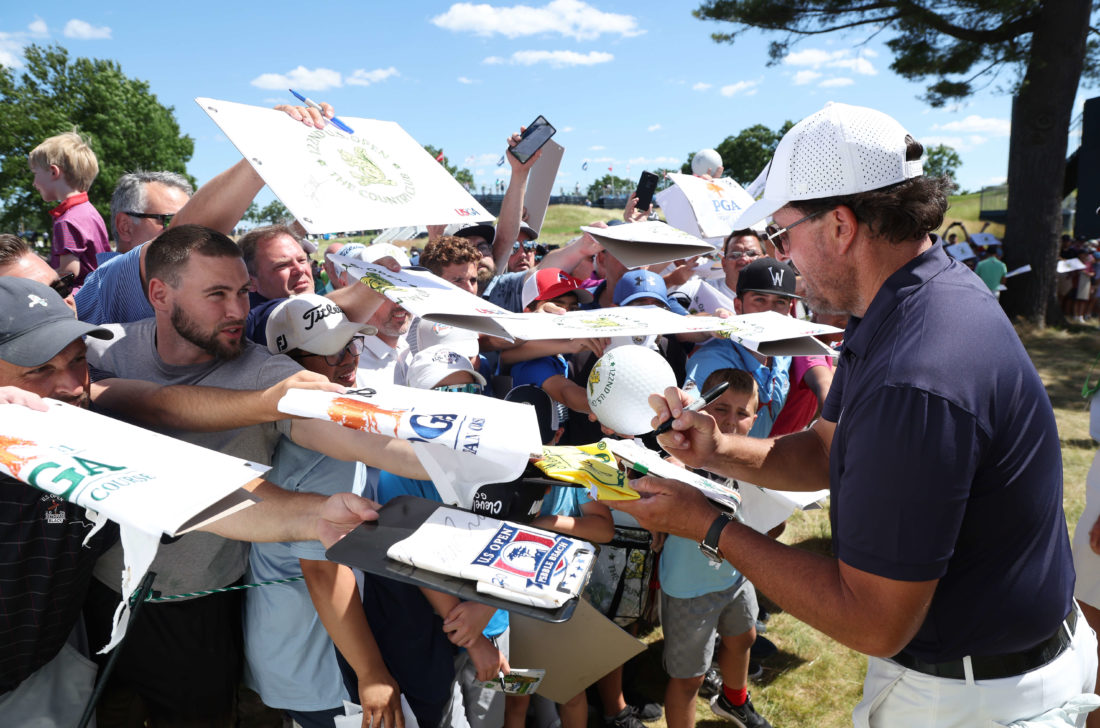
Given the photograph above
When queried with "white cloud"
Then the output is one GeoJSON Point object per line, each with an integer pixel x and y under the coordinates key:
{"type": "Point", "coordinates": [362, 77]}
{"type": "Point", "coordinates": [978, 124]}
{"type": "Point", "coordinates": [570, 18]}
{"type": "Point", "coordinates": [12, 44]}
{"type": "Point", "coordinates": [805, 76]}
{"type": "Point", "coordinates": [86, 31]}
{"type": "Point", "coordinates": [932, 140]}
{"type": "Point", "coordinates": [836, 82]}
{"type": "Point", "coordinates": [557, 59]}
{"type": "Point", "coordinates": [566, 129]}
{"type": "Point", "coordinates": [976, 139]}
{"type": "Point", "coordinates": [301, 78]}
{"type": "Point", "coordinates": [654, 161]}
{"type": "Point", "coordinates": [817, 59]}
{"type": "Point", "coordinates": [597, 148]}
{"type": "Point", "coordinates": [463, 79]}
{"type": "Point", "coordinates": [489, 159]}
{"type": "Point", "coordinates": [747, 87]}
{"type": "Point", "coordinates": [653, 127]}
{"type": "Point", "coordinates": [700, 86]}
{"type": "Point", "coordinates": [602, 159]}
{"type": "Point", "coordinates": [997, 180]}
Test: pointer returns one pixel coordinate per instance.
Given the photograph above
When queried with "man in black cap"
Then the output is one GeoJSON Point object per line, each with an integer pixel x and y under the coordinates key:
{"type": "Point", "coordinates": [763, 285]}
{"type": "Point", "coordinates": [44, 569]}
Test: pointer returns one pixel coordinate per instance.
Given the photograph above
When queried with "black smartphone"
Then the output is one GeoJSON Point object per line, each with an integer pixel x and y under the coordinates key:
{"type": "Point", "coordinates": [537, 133]}
{"type": "Point", "coordinates": [647, 185]}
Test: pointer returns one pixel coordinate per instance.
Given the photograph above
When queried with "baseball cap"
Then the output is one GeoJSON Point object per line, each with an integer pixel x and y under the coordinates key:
{"type": "Point", "coordinates": [36, 323]}
{"type": "Point", "coordinates": [840, 150]}
{"type": "Point", "coordinates": [430, 333]}
{"type": "Point", "coordinates": [466, 230]}
{"type": "Point", "coordinates": [547, 283]}
{"type": "Point", "coordinates": [308, 322]}
{"type": "Point", "coordinates": [767, 275]}
{"type": "Point", "coordinates": [372, 253]}
{"type": "Point", "coordinates": [525, 229]}
{"type": "Point", "coordinates": [431, 365]}
{"type": "Point", "coordinates": [643, 283]}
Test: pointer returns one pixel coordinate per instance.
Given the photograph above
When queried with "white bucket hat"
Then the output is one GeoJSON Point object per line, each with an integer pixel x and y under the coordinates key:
{"type": "Point", "coordinates": [840, 150]}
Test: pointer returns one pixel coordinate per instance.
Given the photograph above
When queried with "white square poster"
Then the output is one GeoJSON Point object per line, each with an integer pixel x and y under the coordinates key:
{"type": "Point", "coordinates": [332, 181]}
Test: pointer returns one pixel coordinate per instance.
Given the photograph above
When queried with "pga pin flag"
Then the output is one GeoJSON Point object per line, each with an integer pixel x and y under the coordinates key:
{"type": "Point", "coordinates": [705, 208]}
{"type": "Point", "coordinates": [332, 181]}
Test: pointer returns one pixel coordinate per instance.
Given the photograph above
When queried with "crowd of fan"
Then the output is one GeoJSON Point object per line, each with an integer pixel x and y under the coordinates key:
{"type": "Point", "coordinates": [168, 294]}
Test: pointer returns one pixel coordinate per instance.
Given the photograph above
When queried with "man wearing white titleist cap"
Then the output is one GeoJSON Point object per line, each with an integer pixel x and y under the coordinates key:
{"type": "Point", "coordinates": [289, 656]}
{"type": "Point", "coordinates": [952, 565]}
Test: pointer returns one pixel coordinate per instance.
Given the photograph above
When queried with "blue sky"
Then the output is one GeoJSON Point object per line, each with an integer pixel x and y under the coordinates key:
{"type": "Point", "coordinates": [629, 85]}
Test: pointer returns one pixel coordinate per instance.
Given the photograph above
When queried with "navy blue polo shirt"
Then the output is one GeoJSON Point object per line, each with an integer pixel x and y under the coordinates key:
{"type": "Point", "coordinates": [946, 463]}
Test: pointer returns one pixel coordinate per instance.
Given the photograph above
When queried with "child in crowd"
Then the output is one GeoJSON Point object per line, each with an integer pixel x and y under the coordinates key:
{"type": "Point", "coordinates": [700, 598]}
{"type": "Point", "coordinates": [64, 167]}
{"type": "Point", "coordinates": [478, 628]}
{"type": "Point", "coordinates": [552, 286]}
{"type": "Point", "coordinates": [571, 511]}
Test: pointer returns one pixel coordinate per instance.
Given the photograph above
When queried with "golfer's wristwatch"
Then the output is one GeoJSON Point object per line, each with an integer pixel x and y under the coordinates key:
{"type": "Point", "coordinates": [709, 544]}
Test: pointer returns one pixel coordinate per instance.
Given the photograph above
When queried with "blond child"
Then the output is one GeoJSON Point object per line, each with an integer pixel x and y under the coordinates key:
{"type": "Point", "coordinates": [64, 167]}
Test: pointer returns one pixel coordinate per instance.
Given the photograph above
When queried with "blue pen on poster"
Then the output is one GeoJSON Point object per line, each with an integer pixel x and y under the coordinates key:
{"type": "Point", "coordinates": [335, 120]}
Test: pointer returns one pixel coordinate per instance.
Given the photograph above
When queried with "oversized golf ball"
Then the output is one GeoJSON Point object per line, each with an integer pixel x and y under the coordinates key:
{"type": "Point", "coordinates": [620, 384]}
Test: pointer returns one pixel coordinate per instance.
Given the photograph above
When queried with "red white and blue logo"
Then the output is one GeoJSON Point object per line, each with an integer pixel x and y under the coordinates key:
{"type": "Point", "coordinates": [528, 555]}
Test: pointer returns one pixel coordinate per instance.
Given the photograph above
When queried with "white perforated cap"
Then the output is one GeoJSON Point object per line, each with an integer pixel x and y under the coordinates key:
{"type": "Point", "coordinates": [840, 150]}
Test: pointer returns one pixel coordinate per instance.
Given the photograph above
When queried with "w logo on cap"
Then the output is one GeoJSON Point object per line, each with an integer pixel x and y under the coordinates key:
{"type": "Point", "coordinates": [777, 276]}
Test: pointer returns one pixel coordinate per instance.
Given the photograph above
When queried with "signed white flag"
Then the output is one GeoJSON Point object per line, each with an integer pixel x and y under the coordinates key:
{"type": "Point", "coordinates": [332, 181]}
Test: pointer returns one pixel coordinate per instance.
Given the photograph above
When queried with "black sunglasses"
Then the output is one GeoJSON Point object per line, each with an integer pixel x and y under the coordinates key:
{"type": "Point", "coordinates": [64, 284]}
{"type": "Point", "coordinates": [778, 236]}
{"type": "Point", "coordinates": [165, 218]}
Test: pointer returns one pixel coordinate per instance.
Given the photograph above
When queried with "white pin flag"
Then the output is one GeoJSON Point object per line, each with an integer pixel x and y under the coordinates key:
{"type": "Point", "coordinates": [434, 299]}
{"type": "Point", "coordinates": [984, 239]}
{"type": "Point", "coordinates": [507, 560]}
{"type": "Point", "coordinates": [705, 208]}
{"type": "Point", "coordinates": [640, 244]}
{"type": "Point", "coordinates": [462, 440]}
{"type": "Point", "coordinates": [150, 484]}
{"type": "Point", "coordinates": [1068, 265]}
{"type": "Point", "coordinates": [377, 177]}
{"type": "Point", "coordinates": [960, 251]}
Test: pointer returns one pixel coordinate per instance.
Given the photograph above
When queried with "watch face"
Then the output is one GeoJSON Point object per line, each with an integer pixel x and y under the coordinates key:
{"type": "Point", "coordinates": [709, 545]}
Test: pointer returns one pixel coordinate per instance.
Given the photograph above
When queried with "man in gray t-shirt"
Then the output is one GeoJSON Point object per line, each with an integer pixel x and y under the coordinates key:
{"type": "Point", "coordinates": [198, 286]}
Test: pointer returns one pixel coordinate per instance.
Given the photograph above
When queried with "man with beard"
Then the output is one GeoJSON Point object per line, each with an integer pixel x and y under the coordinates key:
{"type": "Point", "coordinates": [45, 567]}
{"type": "Point", "coordinates": [198, 286]}
{"type": "Point", "coordinates": [950, 562]}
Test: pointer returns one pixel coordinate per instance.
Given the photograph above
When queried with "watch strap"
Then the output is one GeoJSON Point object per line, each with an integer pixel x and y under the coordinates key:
{"type": "Point", "coordinates": [709, 544]}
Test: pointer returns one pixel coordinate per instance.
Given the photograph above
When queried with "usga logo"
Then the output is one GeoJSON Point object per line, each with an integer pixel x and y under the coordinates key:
{"type": "Point", "coordinates": [81, 475]}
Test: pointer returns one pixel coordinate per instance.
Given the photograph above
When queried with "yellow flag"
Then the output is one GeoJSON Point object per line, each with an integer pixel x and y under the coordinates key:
{"type": "Point", "coordinates": [593, 466]}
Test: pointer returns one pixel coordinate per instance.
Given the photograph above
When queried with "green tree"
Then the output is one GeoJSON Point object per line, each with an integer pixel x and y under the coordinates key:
{"type": "Point", "coordinates": [464, 176]}
{"type": "Point", "coordinates": [127, 127]}
{"type": "Point", "coordinates": [609, 184]}
{"type": "Point", "coordinates": [1042, 46]}
{"type": "Point", "coordinates": [273, 213]}
{"type": "Point", "coordinates": [942, 161]}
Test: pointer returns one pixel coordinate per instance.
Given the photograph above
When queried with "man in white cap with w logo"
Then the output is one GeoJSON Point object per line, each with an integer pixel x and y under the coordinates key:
{"type": "Point", "coordinates": [951, 562]}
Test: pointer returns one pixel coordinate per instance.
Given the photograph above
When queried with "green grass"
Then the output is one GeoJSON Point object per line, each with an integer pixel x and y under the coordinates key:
{"type": "Point", "coordinates": [814, 682]}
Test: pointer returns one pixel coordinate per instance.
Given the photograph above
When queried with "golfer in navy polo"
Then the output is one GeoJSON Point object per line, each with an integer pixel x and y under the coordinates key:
{"type": "Point", "coordinates": [951, 563]}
